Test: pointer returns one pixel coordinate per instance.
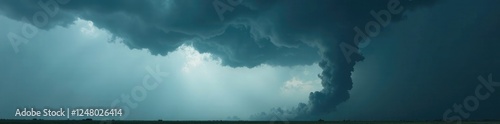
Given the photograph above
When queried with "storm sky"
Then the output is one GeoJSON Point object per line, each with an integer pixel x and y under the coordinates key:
{"type": "Point", "coordinates": [253, 59]}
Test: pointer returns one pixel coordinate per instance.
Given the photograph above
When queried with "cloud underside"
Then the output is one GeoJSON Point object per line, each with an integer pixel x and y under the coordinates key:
{"type": "Point", "coordinates": [251, 33]}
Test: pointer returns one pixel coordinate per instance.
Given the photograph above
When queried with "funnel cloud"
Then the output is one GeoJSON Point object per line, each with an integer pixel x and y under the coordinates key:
{"type": "Point", "coordinates": [240, 34]}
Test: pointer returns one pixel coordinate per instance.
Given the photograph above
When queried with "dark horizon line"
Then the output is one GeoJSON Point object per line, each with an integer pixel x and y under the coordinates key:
{"type": "Point", "coordinates": [90, 119]}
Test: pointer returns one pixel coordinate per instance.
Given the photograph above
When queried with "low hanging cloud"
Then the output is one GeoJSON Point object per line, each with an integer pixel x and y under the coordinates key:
{"type": "Point", "coordinates": [251, 33]}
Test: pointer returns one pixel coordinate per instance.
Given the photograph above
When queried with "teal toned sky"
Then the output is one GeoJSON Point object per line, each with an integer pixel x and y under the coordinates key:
{"type": "Point", "coordinates": [264, 59]}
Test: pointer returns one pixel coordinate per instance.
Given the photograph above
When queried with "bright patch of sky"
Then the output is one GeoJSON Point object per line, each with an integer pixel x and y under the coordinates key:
{"type": "Point", "coordinates": [79, 65]}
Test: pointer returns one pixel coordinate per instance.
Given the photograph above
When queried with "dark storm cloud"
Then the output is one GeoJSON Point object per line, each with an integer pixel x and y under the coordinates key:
{"type": "Point", "coordinates": [426, 64]}
{"type": "Point", "coordinates": [291, 32]}
{"type": "Point", "coordinates": [247, 51]}
{"type": "Point", "coordinates": [327, 23]}
{"type": "Point", "coordinates": [26, 10]}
